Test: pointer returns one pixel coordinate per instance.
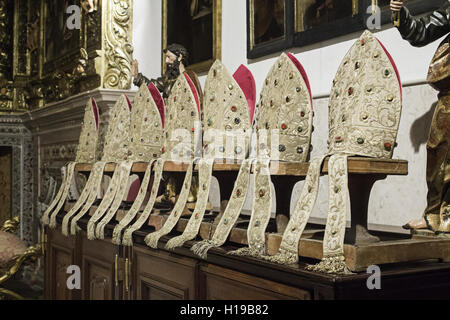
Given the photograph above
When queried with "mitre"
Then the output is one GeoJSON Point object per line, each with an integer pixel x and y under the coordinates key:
{"type": "Point", "coordinates": [365, 101]}
{"type": "Point", "coordinates": [117, 134]}
{"type": "Point", "coordinates": [147, 124]}
{"type": "Point", "coordinates": [285, 112]}
{"type": "Point", "coordinates": [86, 153]}
{"type": "Point", "coordinates": [87, 143]}
{"type": "Point", "coordinates": [182, 121]}
{"type": "Point", "coordinates": [228, 112]}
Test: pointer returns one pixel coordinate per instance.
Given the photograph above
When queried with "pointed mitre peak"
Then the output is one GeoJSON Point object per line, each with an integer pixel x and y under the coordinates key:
{"type": "Point", "coordinates": [285, 107]}
{"type": "Point", "coordinates": [146, 137]}
{"type": "Point", "coordinates": [86, 150]}
{"type": "Point", "coordinates": [117, 134]}
{"type": "Point", "coordinates": [182, 113]}
{"type": "Point", "coordinates": [365, 101]}
{"type": "Point", "coordinates": [229, 100]}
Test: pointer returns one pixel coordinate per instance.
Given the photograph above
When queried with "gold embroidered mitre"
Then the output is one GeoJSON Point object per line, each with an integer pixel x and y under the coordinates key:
{"type": "Point", "coordinates": [365, 101]}
{"type": "Point", "coordinates": [182, 129]}
{"type": "Point", "coordinates": [87, 143]}
{"type": "Point", "coordinates": [228, 112]}
{"type": "Point", "coordinates": [285, 107]}
{"type": "Point", "coordinates": [116, 138]}
{"type": "Point", "coordinates": [147, 121]}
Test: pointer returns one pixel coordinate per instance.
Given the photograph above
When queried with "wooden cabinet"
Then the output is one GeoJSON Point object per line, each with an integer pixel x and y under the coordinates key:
{"type": "Point", "coordinates": [160, 275]}
{"type": "Point", "coordinates": [110, 272]}
{"type": "Point", "coordinates": [224, 284]}
{"type": "Point", "coordinates": [61, 252]}
{"type": "Point", "coordinates": [98, 270]}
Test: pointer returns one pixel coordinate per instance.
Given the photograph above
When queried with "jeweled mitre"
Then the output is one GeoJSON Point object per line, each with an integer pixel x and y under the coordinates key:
{"type": "Point", "coordinates": [285, 112]}
{"type": "Point", "coordinates": [365, 101]}
{"type": "Point", "coordinates": [87, 143]}
{"type": "Point", "coordinates": [228, 113]}
{"type": "Point", "coordinates": [182, 121]}
{"type": "Point", "coordinates": [117, 134]}
{"type": "Point", "coordinates": [147, 124]}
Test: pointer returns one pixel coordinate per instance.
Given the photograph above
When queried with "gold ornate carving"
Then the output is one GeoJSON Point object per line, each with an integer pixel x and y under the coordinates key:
{"type": "Point", "coordinates": [117, 44]}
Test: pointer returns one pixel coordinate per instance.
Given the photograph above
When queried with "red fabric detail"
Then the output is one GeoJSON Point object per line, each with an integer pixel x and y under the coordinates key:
{"type": "Point", "coordinates": [128, 101]}
{"type": "Point", "coordinates": [194, 91]}
{"type": "Point", "coordinates": [303, 73]}
{"type": "Point", "coordinates": [245, 80]}
{"type": "Point", "coordinates": [133, 190]}
{"type": "Point", "coordinates": [158, 100]}
{"type": "Point", "coordinates": [393, 64]}
{"type": "Point", "coordinates": [95, 111]}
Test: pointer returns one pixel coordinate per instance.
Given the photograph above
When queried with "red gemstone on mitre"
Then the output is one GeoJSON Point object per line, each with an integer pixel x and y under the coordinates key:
{"type": "Point", "coordinates": [234, 108]}
{"type": "Point", "coordinates": [363, 42]}
{"type": "Point", "coordinates": [387, 146]}
{"type": "Point", "coordinates": [196, 216]}
{"type": "Point", "coordinates": [302, 113]}
{"type": "Point", "coordinates": [174, 99]}
{"type": "Point", "coordinates": [163, 149]}
{"type": "Point", "coordinates": [193, 129]}
{"type": "Point", "coordinates": [283, 126]}
{"type": "Point", "coordinates": [350, 91]}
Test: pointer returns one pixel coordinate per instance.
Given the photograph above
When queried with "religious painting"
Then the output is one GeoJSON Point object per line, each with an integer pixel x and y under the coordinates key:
{"type": "Point", "coordinates": [315, 13]}
{"type": "Point", "coordinates": [276, 25]}
{"type": "Point", "coordinates": [59, 39]}
{"type": "Point", "coordinates": [195, 24]}
{"type": "Point", "coordinates": [268, 20]}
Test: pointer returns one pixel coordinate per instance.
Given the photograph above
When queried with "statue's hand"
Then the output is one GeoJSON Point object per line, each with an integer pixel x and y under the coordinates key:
{"type": "Point", "coordinates": [134, 68]}
{"type": "Point", "coordinates": [396, 5]}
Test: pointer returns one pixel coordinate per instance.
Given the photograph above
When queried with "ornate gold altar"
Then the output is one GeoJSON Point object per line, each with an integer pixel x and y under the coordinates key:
{"type": "Point", "coordinates": [46, 59]}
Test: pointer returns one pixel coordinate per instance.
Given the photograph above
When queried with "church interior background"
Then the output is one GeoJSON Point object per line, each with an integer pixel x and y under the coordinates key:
{"type": "Point", "coordinates": [48, 72]}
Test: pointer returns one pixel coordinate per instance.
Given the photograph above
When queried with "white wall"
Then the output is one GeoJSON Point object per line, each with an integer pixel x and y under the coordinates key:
{"type": "Point", "coordinates": [393, 201]}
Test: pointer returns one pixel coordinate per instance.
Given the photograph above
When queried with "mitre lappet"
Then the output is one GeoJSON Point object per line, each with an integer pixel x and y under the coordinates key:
{"type": "Point", "coordinates": [146, 141]}
{"type": "Point", "coordinates": [364, 115]}
{"type": "Point", "coordinates": [181, 138]}
{"type": "Point", "coordinates": [115, 148]}
{"type": "Point", "coordinates": [144, 145]}
{"type": "Point", "coordinates": [284, 127]}
{"type": "Point", "coordinates": [86, 153]}
{"type": "Point", "coordinates": [228, 117]}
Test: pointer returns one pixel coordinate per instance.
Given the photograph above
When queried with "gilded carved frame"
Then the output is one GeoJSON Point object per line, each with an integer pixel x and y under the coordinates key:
{"type": "Point", "coordinates": [203, 66]}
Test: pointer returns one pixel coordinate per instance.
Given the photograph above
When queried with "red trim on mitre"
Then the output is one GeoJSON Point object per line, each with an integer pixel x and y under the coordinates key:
{"type": "Point", "coordinates": [393, 64]}
{"type": "Point", "coordinates": [157, 98]}
{"type": "Point", "coordinates": [246, 82]}
{"type": "Point", "coordinates": [194, 92]}
{"type": "Point", "coordinates": [302, 72]}
{"type": "Point", "coordinates": [133, 190]}
{"type": "Point", "coordinates": [95, 111]}
{"type": "Point", "coordinates": [128, 101]}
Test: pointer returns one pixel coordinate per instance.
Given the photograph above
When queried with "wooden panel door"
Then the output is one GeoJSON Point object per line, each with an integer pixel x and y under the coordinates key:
{"type": "Point", "coordinates": [61, 252]}
{"type": "Point", "coordinates": [224, 284]}
{"type": "Point", "coordinates": [98, 270]}
{"type": "Point", "coordinates": [160, 275]}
